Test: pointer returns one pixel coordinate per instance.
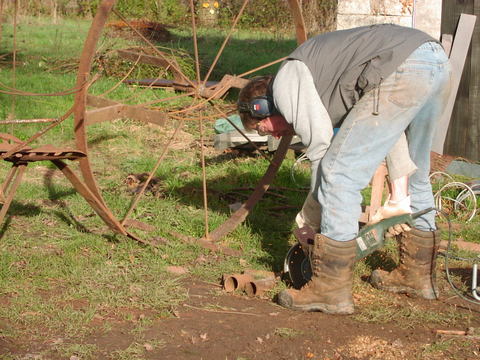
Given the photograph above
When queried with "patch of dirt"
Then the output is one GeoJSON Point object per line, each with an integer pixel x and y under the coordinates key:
{"type": "Point", "coordinates": [214, 325]}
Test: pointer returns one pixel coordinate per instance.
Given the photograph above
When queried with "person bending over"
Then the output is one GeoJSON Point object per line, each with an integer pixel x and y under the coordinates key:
{"type": "Point", "coordinates": [374, 83]}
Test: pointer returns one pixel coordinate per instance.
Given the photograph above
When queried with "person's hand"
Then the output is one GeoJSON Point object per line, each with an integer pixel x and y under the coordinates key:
{"type": "Point", "coordinates": [390, 209]}
{"type": "Point", "coordinates": [397, 229]}
{"type": "Point", "coordinates": [310, 214]}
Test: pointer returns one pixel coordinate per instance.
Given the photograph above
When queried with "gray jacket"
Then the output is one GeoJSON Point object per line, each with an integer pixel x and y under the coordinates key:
{"type": "Point", "coordinates": [347, 63]}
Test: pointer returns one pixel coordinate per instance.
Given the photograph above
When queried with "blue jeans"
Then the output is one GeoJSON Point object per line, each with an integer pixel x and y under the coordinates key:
{"type": "Point", "coordinates": [410, 100]}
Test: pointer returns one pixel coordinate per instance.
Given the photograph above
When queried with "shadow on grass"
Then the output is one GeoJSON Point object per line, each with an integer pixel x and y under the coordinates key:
{"type": "Point", "coordinates": [18, 209]}
{"type": "Point", "coordinates": [272, 219]}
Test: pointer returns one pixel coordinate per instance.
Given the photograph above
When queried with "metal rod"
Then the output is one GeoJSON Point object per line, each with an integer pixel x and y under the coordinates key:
{"type": "Point", "coordinates": [38, 134]}
{"type": "Point", "coordinates": [201, 103]}
{"type": "Point", "coordinates": [195, 42]}
{"type": "Point", "coordinates": [204, 180]}
{"type": "Point", "coordinates": [13, 91]}
{"type": "Point", "coordinates": [149, 87]}
{"type": "Point", "coordinates": [26, 121]}
{"type": "Point", "coordinates": [153, 47]}
{"type": "Point", "coordinates": [1, 20]}
{"type": "Point", "coordinates": [122, 79]}
{"type": "Point", "coordinates": [13, 189]}
{"type": "Point", "coordinates": [150, 176]}
{"type": "Point", "coordinates": [169, 98]}
{"type": "Point", "coordinates": [200, 121]}
{"type": "Point", "coordinates": [262, 67]}
{"type": "Point", "coordinates": [212, 66]}
{"type": "Point", "coordinates": [476, 295]}
{"type": "Point", "coordinates": [14, 64]}
{"type": "Point", "coordinates": [8, 180]}
{"type": "Point", "coordinates": [242, 133]}
{"type": "Point", "coordinates": [90, 198]}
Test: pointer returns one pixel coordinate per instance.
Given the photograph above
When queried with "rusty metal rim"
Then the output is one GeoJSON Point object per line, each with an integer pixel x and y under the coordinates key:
{"type": "Point", "coordinates": [104, 9]}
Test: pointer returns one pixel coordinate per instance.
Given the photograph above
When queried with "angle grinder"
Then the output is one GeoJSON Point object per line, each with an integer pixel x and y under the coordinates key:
{"type": "Point", "coordinates": [297, 266]}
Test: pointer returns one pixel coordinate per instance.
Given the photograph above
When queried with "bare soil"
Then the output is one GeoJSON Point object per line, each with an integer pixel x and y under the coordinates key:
{"type": "Point", "coordinates": [212, 324]}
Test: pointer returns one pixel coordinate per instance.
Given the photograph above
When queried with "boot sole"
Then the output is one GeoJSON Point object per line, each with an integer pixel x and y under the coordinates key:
{"type": "Point", "coordinates": [339, 309]}
{"type": "Point", "coordinates": [428, 294]}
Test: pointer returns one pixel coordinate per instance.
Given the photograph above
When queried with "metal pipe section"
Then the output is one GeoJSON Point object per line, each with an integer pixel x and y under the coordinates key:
{"type": "Point", "coordinates": [475, 290]}
{"type": "Point", "coordinates": [236, 282]}
{"type": "Point", "coordinates": [259, 287]}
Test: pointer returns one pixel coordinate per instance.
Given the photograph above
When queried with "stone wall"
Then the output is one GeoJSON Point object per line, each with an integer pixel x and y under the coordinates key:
{"type": "Point", "coordinates": [422, 14]}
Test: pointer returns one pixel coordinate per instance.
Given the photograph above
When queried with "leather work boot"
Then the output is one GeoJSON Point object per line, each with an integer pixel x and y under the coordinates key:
{"type": "Point", "coordinates": [415, 275]}
{"type": "Point", "coordinates": [330, 288]}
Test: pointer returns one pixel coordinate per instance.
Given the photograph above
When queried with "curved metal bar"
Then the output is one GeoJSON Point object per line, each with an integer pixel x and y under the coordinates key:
{"type": "Point", "coordinates": [104, 8]}
{"type": "Point", "coordinates": [239, 216]}
{"type": "Point", "coordinates": [85, 64]}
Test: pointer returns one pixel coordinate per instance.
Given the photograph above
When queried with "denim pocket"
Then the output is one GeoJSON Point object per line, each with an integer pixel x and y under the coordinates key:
{"type": "Point", "coordinates": [411, 85]}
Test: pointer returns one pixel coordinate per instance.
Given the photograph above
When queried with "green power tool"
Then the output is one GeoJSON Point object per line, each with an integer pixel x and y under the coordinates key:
{"type": "Point", "coordinates": [371, 237]}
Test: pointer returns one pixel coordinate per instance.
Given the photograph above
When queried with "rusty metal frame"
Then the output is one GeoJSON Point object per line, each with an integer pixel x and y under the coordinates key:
{"type": "Point", "coordinates": [106, 110]}
{"type": "Point", "coordinates": [83, 117]}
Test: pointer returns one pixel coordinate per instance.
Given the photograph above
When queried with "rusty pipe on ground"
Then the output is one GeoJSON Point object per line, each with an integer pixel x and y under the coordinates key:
{"type": "Point", "coordinates": [259, 287]}
{"type": "Point", "coordinates": [235, 282]}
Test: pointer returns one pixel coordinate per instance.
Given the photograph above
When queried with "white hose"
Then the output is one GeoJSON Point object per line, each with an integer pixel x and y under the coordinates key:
{"type": "Point", "coordinates": [464, 194]}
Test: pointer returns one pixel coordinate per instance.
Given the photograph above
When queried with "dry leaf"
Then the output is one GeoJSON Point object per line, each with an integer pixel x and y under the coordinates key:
{"type": "Point", "coordinates": [178, 270]}
{"type": "Point", "coordinates": [148, 347]}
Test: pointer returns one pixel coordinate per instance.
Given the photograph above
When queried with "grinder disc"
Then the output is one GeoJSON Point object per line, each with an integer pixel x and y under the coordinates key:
{"type": "Point", "coordinates": [297, 266]}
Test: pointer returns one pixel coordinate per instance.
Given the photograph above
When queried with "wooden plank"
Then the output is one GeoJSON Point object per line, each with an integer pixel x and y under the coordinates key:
{"type": "Point", "coordinates": [460, 47]}
{"type": "Point", "coordinates": [447, 41]}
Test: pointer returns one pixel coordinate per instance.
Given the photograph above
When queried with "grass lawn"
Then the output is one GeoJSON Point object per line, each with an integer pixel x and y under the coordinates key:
{"type": "Point", "coordinates": [61, 268]}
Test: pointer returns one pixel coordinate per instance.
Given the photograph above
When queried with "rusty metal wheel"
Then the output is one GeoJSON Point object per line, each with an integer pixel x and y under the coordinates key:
{"type": "Point", "coordinates": [90, 109]}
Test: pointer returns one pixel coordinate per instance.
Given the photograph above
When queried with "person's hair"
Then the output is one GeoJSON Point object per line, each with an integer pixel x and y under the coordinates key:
{"type": "Point", "coordinates": [257, 86]}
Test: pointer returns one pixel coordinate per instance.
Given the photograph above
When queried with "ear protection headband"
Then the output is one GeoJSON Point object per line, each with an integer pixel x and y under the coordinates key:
{"type": "Point", "coordinates": [259, 107]}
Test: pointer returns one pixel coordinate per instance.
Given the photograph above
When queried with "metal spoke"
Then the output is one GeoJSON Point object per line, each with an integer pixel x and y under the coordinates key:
{"type": "Point", "coordinates": [195, 42]}
{"type": "Point", "coordinates": [159, 53]}
{"type": "Point", "coordinates": [150, 176]}
{"type": "Point", "coordinates": [262, 67]}
{"type": "Point", "coordinates": [38, 134]}
{"type": "Point", "coordinates": [234, 25]}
